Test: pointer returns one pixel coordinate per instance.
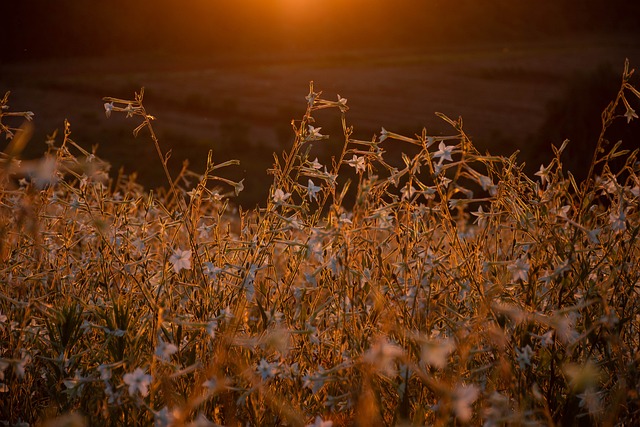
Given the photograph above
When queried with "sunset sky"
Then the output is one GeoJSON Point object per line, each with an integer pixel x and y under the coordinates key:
{"type": "Point", "coordinates": [229, 72]}
{"type": "Point", "coordinates": [70, 27]}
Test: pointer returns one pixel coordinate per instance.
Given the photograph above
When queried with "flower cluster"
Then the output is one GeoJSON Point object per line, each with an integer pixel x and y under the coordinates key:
{"type": "Point", "coordinates": [368, 289]}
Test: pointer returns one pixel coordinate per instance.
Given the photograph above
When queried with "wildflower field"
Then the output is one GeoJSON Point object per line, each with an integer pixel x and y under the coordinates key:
{"type": "Point", "coordinates": [441, 286]}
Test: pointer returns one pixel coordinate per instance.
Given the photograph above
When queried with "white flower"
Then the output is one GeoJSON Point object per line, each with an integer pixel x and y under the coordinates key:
{"type": "Point", "coordinates": [138, 381]}
{"type": "Point", "coordinates": [436, 352]}
{"type": "Point", "coordinates": [564, 326]}
{"type": "Point", "coordinates": [319, 422]}
{"type": "Point", "coordinates": [225, 314]}
{"type": "Point", "coordinates": [487, 184]}
{"type": "Point", "coordinates": [280, 196]}
{"type": "Point", "coordinates": [181, 260]}
{"type": "Point", "coordinates": [193, 193]}
{"type": "Point", "coordinates": [46, 172]}
{"type": "Point", "coordinates": [164, 418]}
{"type": "Point", "coordinates": [358, 163]}
{"type": "Point", "coordinates": [342, 104]}
{"type": "Point", "coordinates": [546, 339]}
{"type": "Point", "coordinates": [211, 383]}
{"type": "Point", "coordinates": [382, 355]}
{"type": "Point", "coordinates": [481, 216]}
{"type": "Point", "coordinates": [523, 356]}
{"type": "Point", "coordinates": [444, 181]}
{"type": "Point", "coordinates": [444, 151]}
{"type": "Point", "coordinates": [315, 381]}
{"type": "Point", "coordinates": [212, 327]}
{"type": "Point", "coordinates": [248, 283]}
{"type": "Point", "coordinates": [138, 246]}
{"type": "Point", "coordinates": [562, 268]}
{"type": "Point", "coordinates": [344, 218]}
{"type": "Point", "coordinates": [608, 184]}
{"type": "Point", "coordinates": [437, 167]}
{"type": "Point", "coordinates": [314, 134]}
{"type": "Point", "coordinates": [293, 223]}
{"type": "Point", "coordinates": [130, 109]}
{"type": "Point", "coordinates": [267, 370]}
{"type": "Point", "coordinates": [108, 108]}
{"type": "Point", "coordinates": [562, 211]}
{"type": "Point", "coordinates": [3, 366]}
{"type": "Point", "coordinates": [200, 421]}
{"type": "Point", "coordinates": [311, 98]}
{"type": "Point", "coordinates": [463, 398]}
{"type": "Point", "coordinates": [75, 382]}
{"type": "Point", "coordinates": [590, 400]}
{"type": "Point", "coordinates": [164, 350]}
{"type": "Point", "coordinates": [383, 135]}
{"type": "Point", "coordinates": [313, 190]}
{"type": "Point", "coordinates": [105, 372]}
{"type": "Point", "coordinates": [543, 173]}
{"type": "Point", "coordinates": [407, 191]}
{"type": "Point", "coordinates": [593, 235]}
{"type": "Point", "coordinates": [617, 221]}
{"type": "Point", "coordinates": [21, 366]}
{"type": "Point", "coordinates": [519, 269]}
{"type": "Point", "coordinates": [238, 187]}
{"type": "Point", "coordinates": [211, 270]}
{"type": "Point", "coordinates": [630, 114]}
{"type": "Point", "coordinates": [315, 164]}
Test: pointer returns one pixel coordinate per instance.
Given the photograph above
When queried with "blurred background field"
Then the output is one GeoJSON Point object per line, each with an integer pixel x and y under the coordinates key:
{"type": "Point", "coordinates": [231, 77]}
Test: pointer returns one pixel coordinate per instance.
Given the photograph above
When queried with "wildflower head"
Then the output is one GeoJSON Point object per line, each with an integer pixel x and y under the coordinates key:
{"type": "Point", "coordinates": [463, 398]}
{"type": "Point", "coordinates": [181, 260]}
{"type": "Point", "coordinates": [358, 163]}
{"type": "Point", "coordinates": [138, 382]}
{"type": "Point", "coordinates": [382, 355]}
{"type": "Point", "coordinates": [444, 152]}
{"type": "Point", "coordinates": [280, 196]}
{"type": "Point", "coordinates": [313, 190]}
{"type": "Point", "coordinates": [164, 350]}
{"type": "Point", "coordinates": [108, 108]}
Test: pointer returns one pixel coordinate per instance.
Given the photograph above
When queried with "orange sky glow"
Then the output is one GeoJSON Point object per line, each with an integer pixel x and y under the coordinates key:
{"type": "Point", "coordinates": [305, 24]}
{"type": "Point", "coordinates": [42, 27]}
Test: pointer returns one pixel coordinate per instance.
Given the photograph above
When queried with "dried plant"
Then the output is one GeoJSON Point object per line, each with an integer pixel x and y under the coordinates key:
{"type": "Point", "coordinates": [450, 286]}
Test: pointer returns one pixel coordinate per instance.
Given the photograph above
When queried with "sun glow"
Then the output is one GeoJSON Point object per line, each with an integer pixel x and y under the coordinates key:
{"type": "Point", "coordinates": [310, 24]}
{"type": "Point", "coordinates": [299, 11]}
{"type": "Point", "coordinates": [296, 6]}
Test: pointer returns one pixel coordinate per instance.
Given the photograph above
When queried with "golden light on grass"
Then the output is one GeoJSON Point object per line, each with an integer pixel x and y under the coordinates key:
{"type": "Point", "coordinates": [451, 285]}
